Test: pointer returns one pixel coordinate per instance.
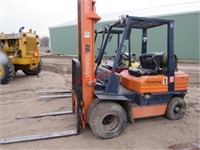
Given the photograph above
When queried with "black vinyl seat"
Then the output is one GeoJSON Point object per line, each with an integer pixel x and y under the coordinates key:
{"type": "Point", "coordinates": [150, 64]}
{"type": "Point", "coordinates": [146, 66]}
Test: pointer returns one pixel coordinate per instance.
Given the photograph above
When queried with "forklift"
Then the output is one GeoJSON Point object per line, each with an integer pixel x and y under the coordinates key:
{"type": "Point", "coordinates": [105, 99]}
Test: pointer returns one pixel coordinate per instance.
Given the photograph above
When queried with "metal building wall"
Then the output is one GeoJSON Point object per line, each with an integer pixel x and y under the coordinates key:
{"type": "Point", "coordinates": [186, 38]}
{"type": "Point", "coordinates": [186, 35]}
{"type": "Point", "coordinates": [64, 40]}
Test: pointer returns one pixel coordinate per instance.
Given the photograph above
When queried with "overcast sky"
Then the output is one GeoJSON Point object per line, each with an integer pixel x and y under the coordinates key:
{"type": "Point", "coordinates": [41, 14]}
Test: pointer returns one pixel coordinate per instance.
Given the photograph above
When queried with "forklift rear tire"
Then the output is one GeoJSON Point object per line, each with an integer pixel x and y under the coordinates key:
{"type": "Point", "coordinates": [107, 120]}
{"type": "Point", "coordinates": [176, 108]}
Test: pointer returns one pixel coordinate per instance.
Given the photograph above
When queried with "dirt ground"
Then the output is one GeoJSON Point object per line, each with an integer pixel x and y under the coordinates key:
{"type": "Point", "coordinates": [20, 97]}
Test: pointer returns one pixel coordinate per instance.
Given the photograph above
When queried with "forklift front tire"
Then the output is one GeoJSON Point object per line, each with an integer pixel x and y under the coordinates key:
{"type": "Point", "coordinates": [176, 108]}
{"type": "Point", "coordinates": [91, 107]}
{"type": "Point", "coordinates": [107, 120]}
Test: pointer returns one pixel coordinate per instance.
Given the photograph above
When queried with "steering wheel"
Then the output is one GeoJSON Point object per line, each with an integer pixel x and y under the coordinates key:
{"type": "Point", "coordinates": [125, 54]}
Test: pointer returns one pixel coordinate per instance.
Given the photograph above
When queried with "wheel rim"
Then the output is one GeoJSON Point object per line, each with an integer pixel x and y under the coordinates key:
{"type": "Point", "coordinates": [2, 72]}
{"type": "Point", "coordinates": [109, 123]}
{"type": "Point", "coordinates": [179, 110]}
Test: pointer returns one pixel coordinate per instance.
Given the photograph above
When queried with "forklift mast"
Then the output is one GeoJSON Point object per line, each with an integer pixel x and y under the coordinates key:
{"type": "Point", "coordinates": [87, 18]}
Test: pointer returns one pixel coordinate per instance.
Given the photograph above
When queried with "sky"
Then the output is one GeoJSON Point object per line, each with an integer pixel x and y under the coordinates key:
{"type": "Point", "coordinates": [42, 14]}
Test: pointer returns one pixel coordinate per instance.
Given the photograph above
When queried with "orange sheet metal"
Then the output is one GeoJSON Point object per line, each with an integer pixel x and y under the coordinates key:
{"type": "Point", "coordinates": [144, 84]}
{"type": "Point", "coordinates": [181, 81]}
{"type": "Point", "coordinates": [149, 111]}
{"type": "Point", "coordinates": [153, 83]}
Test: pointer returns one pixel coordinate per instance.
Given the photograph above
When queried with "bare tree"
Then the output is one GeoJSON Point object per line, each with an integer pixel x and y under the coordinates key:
{"type": "Point", "coordinates": [44, 41]}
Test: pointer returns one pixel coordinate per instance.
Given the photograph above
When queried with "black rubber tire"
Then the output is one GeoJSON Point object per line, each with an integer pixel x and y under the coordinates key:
{"type": "Point", "coordinates": [9, 72]}
{"type": "Point", "coordinates": [5, 75]}
{"type": "Point", "coordinates": [107, 120]}
{"type": "Point", "coordinates": [176, 108]}
{"type": "Point", "coordinates": [91, 107]}
{"type": "Point", "coordinates": [33, 72]}
{"type": "Point", "coordinates": [30, 72]}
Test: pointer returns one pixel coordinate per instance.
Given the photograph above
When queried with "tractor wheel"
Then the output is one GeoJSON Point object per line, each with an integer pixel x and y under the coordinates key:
{"type": "Point", "coordinates": [7, 72]}
{"type": "Point", "coordinates": [4, 73]}
{"type": "Point", "coordinates": [176, 108]}
{"type": "Point", "coordinates": [107, 120]}
{"type": "Point", "coordinates": [11, 71]}
{"type": "Point", "coordinates": [91, 107]}
{"type": "Point", "coordinates": [30, 72]}
{"type": "Point", "coordinates": [33, 72]}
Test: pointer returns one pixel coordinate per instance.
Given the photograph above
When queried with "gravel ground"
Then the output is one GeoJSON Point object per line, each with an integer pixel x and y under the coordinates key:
{"type": "Point", "coordinates": [20, 97]}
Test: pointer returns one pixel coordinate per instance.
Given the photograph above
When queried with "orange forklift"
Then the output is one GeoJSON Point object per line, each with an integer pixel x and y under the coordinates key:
{"type": "Point", "coordinates": [106, 99]}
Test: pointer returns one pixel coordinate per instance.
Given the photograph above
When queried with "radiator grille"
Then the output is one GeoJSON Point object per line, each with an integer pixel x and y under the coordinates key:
{"type": "Point", "coordinates": [31, 45]}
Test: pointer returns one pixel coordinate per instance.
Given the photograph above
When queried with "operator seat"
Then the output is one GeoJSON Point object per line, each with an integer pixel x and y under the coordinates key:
{"type": "Point", "coordinates": [150, 64]}
{"type": "Point", "coordinates": [147, 66]}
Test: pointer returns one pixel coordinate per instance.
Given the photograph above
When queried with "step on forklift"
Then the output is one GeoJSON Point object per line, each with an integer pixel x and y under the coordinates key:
{"type": "Point", "coordinates": [105, 99]}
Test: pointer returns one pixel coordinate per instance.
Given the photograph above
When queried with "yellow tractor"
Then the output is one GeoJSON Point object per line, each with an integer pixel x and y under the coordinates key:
{"type": "Point", "coordinates": [19, 51]}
